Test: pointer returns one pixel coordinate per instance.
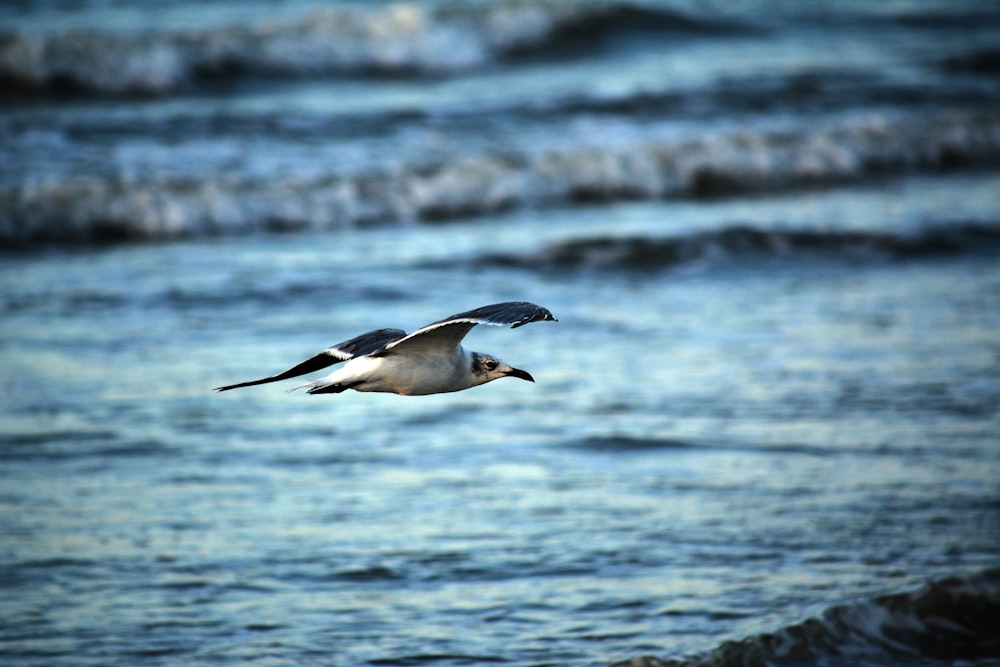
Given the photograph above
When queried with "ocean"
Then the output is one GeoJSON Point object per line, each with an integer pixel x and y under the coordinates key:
{"type": "Point", "coordinates": [764, 431]}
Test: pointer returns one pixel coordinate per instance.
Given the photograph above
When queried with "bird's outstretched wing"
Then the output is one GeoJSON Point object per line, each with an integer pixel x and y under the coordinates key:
{"type": "Point", "coordinates": [355, 347]}
{"type": "Point", "coordinates": [449, 332]}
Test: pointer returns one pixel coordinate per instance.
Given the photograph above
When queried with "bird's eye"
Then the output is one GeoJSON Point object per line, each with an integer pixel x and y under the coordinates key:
{"type": "Point", "coordinates": [490, 365]}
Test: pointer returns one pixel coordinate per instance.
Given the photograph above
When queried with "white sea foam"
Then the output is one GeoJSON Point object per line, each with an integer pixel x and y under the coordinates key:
{"type": "Point", "coordinates": [91, 209]}
{"type": "Point", "coordinates": [394, 38]}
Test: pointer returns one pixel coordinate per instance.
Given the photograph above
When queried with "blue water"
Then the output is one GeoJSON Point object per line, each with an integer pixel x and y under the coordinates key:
{"type": "Point", "coordinates": [770, 235]}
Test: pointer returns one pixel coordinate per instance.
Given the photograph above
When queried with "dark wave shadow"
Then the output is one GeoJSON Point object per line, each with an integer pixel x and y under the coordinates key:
{"type": "Point", "coordinates": [744, 245]}
{"type": "Point", "coordinates": [949, 621]}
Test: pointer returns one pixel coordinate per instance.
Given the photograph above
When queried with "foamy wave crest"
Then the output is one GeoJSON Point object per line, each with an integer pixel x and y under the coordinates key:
{"type": "Point", "coordinates": [748, 162]}
{"type": "Point", "coordinates": [947, 622]}
{"type": "Point", "coordinates": [402, 38]}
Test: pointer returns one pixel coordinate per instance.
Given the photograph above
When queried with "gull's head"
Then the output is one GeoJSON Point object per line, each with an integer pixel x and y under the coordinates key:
{"type": "Point", "coordinates": [486, 368]}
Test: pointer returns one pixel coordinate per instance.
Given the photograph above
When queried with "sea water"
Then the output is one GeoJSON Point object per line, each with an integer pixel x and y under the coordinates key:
{"type": "Point", "coordinates": [770, 234]}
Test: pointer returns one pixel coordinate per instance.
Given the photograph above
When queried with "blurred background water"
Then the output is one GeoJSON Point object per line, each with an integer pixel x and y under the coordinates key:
{"type": "Point", "coordinates": [770, 233]}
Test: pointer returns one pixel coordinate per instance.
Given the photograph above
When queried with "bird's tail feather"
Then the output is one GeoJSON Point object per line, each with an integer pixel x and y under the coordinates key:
{"type": "Point", "coordinates": [322, 387]}
{"type": "Point", "coordinates": [335, 388]}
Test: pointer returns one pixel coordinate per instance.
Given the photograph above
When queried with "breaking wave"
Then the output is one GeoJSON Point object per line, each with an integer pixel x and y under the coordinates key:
{"type": "Point", "coordinates": [94, 209]}
{"type": "Point", "coordinates": [945, 622]}
{"type": "Point", "coordinates": [402, 39]}
{"type": "Point", "coordinates": [741, 243]}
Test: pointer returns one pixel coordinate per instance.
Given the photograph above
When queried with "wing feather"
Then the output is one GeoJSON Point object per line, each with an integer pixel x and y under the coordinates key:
{"type": "Point", "coordinates": [451, 330]}
{"type": "Point", "coordinates": [355, 347]}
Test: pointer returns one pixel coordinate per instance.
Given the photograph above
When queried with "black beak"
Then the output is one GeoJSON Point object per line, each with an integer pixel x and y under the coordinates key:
{"type": "Point", "coordinates": [518, 373]}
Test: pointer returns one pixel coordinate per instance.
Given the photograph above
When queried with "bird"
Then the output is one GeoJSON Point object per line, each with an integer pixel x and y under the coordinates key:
{"type": "Point", "coordinates": [431, 360]}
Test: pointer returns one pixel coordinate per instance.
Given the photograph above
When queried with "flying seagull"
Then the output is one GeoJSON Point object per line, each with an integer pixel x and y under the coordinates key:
{"type": "Point", "coordinates": [431, 360]}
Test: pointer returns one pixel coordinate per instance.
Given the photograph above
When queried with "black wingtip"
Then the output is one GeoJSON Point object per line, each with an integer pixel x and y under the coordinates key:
{"type": "Point", "coordinates": [540, 315]}
{"type": "Point", "coordinates": [236, 386]}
